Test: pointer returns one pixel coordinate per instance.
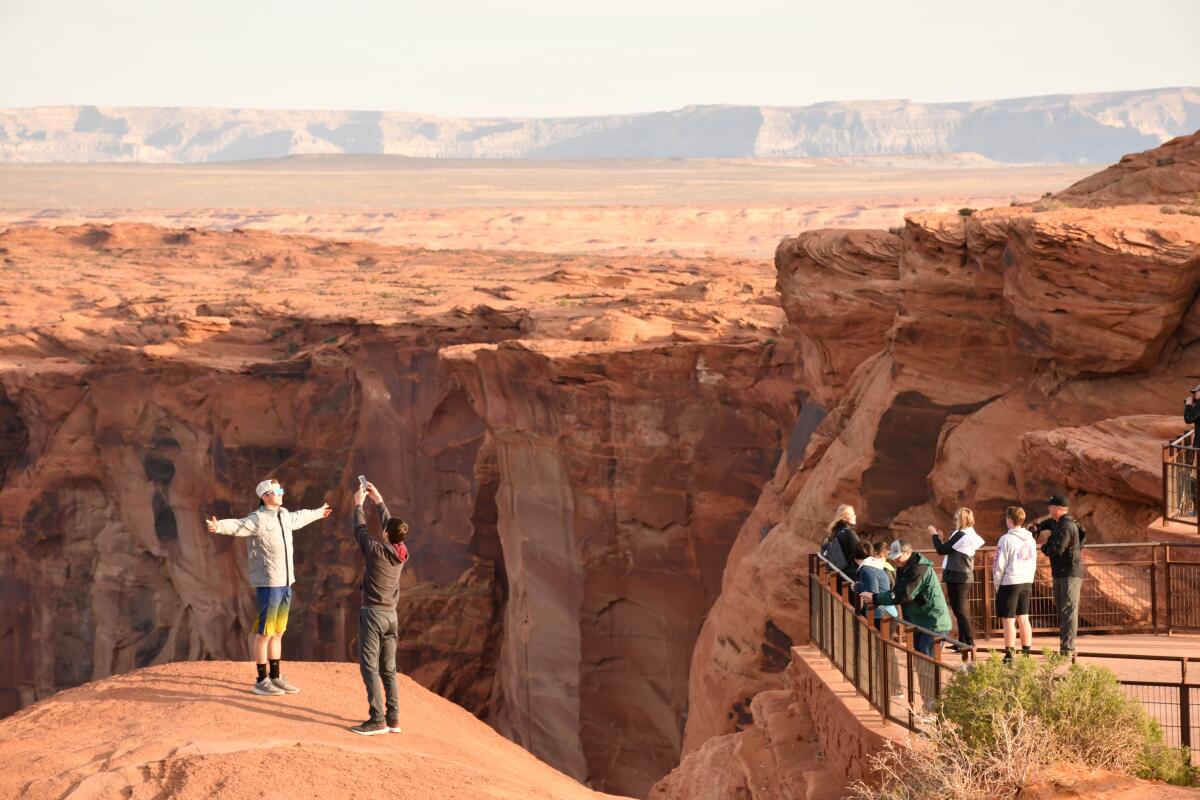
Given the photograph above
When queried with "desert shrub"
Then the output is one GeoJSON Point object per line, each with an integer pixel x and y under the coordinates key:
{"type": "Point", "coordinates": [998, 725]}
{"type": "Point", "coordinates": [1168, 209]}
{"type": "Point", "coordinates": [966, 212]}
{"type": "Point", "coordinates": [896, 230]}
{"type": "Point", "coordinates": [1193, 211]}
{"type": "Point", "coordinates": [1082, 707]}
{"type": "Point", "coordinates": [944, 765]}
{"type": "Point", "coordinates": [1047, 203]}
{"type": "Point", "coordinates": [1164, 162]}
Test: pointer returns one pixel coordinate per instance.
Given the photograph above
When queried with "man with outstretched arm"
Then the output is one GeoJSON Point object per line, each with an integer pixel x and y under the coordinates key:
{"type": "Point", "coordinates": [377, 622]}
{"type": "Point", "coordinates": [268, 534]}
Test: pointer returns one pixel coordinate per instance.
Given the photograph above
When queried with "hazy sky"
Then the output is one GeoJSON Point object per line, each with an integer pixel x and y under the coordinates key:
{"type": "Point", "coordinates": [558, 57]}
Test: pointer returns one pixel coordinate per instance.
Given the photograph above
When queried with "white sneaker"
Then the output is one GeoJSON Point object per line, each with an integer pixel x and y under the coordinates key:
{"type": "Point", "coordinates": [266, 687]}
{"type": "Point", "coordinates": [282, 684]}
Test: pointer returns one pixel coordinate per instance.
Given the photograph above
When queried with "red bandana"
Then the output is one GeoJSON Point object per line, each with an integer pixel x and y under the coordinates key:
{"type": "Point", "coordinates": [401, 552]}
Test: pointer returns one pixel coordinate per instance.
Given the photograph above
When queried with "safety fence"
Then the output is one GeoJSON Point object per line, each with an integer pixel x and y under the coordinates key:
{"type": "Point", "coordinates": [903, 684]}
{"type": "Point", "coordinates": [1127, 587]}
{"type": "Point", "coordinates": [1179, 480]}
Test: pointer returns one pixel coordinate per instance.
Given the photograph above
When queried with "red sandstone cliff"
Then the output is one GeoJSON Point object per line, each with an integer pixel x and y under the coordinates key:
{"type": "Point", "coordinates": [973, 360]}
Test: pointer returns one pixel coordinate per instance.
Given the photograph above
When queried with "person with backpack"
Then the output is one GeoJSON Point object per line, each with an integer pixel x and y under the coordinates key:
{"type": "Point", "coordinates": [1013, 570]}
{"type": "Point", "coordinates": [1064, 549]}
{"type": "Point", "coordinates": [958, 568]}
{"type": "Point", "coordinates": [841, 542]}
{"type": "Point", "coordinates": [377, 619]}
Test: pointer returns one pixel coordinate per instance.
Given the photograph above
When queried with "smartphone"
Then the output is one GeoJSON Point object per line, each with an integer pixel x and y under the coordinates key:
{"type": "Point", "coordinates": [362, 481]}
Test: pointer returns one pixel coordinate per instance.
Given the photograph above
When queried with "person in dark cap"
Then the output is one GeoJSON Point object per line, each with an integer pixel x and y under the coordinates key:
{"type": "Point", "coordinates": [1063, 548]}
{"type": "Point", "coordinates": [1191, 415]}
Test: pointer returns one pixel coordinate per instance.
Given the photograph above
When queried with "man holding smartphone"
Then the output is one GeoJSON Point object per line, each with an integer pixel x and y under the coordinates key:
{"type": "Point", "coordinates": [1191, 415]}
{"type": "Point", "coordinates": [377, 624]}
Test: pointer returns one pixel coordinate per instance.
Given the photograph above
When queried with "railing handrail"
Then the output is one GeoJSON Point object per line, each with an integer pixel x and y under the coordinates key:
{"type": "Point", "coordinates": [1177, 441]}
{"type": "Point", "coordinates": [898, 620]}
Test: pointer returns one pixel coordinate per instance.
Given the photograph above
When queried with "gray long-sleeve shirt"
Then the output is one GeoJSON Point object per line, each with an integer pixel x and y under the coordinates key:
{"type": "Point", "coordinates": [381, 581]}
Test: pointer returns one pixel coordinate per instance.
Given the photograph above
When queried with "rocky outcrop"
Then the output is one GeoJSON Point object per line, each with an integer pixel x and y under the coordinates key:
{"type": "Point", "coordinates": [1167, 174]}
{"type": "Point", "coordinates": [1022, 345]}
{"type": "Point", "coordinates": [199, 735]}
{"type": "Point", "coordinates": [1020, 130]}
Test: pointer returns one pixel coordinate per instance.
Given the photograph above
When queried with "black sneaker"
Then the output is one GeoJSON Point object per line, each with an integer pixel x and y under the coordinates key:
{"type": "Point", "coordinates": [370, 728]}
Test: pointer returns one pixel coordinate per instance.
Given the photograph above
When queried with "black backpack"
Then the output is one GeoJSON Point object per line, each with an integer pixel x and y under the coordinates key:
{"type": "Point", "coordinates": [831, 551]}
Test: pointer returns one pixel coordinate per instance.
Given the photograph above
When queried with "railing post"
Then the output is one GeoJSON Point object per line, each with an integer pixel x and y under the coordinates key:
{"type": "Point", "coordinates": [1167, 587]}
{"type": "Point", "coordinates": [1185, 716]}
{"type": "Point", "coordinates": [988, 600]}
{"type": "Point", "coordinates": [885, 630]}
{"type": "Point", "coordinates": [1154, 594]}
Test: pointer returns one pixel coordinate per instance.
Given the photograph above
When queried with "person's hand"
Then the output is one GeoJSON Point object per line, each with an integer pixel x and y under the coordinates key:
{"type": "Point", "coordinates": [865, 598]}
{"type": "Point", "coordinates": [933, 531]}
{"type": "Point", "coordinates": [325, 510]}
{"type": "Point", "coordinates": [373, 493]}
{"type": "Point", "coordinates": [211, 524]}
{"type": "Point", "coordinates": [360, 495]}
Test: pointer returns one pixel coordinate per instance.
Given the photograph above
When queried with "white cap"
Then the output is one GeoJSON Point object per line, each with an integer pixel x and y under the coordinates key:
{"type": "Point", "coordinates": [265, 487]}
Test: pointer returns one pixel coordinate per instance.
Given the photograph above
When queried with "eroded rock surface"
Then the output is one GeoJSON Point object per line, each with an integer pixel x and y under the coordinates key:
{"type": "Point", "coordinates": [1027, 351]}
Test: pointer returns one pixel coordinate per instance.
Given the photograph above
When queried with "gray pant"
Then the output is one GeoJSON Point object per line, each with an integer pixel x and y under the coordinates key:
{"type": "Point", "coordinates": [1066, 600]}
{"type": "Point", "coordinates": [377, 659]}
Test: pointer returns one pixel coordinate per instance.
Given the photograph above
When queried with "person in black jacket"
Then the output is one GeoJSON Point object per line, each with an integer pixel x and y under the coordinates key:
{"type": "Point", "coordinates": [1063, 548]}
{"type": "Point", "coordinates": [841, 535]}
{"type": "Point", "coordinates": [377, 621]}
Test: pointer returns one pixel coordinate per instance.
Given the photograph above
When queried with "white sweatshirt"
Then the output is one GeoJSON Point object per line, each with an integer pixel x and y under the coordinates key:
{"type": "Point", "coordinates": [1016, 558]}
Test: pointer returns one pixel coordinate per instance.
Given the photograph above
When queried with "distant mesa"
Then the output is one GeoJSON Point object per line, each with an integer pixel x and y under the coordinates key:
{"type": "Point", "coordinates": [1088, 128]}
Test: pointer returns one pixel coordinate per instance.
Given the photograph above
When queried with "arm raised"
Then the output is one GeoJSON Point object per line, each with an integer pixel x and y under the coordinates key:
{"type": "Point", "coordinates": [246, 526]}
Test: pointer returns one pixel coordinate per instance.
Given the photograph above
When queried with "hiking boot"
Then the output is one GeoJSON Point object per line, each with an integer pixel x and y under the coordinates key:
{"type": "Point", "coordinates": [282, 684]}
{"type": "Point", "coordinates": [266, 687]}
{"type": "Point", "coordinates": [393, 725]}
{"type": "Point", "coordinates": [370, 728]}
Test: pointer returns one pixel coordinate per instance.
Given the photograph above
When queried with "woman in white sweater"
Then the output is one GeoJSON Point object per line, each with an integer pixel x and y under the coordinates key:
{"type": "Point", "coordinates": [1013, 571]}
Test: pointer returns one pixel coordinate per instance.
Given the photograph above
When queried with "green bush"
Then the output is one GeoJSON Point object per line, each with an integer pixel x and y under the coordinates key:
{"type": "Point", "coordinates": [1089, 718]}
{"type": "Point", "coordinates": [966, 212]}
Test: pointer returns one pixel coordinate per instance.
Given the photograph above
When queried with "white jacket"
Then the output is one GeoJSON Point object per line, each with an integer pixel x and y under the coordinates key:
{"type": "Point", "coordinates": [1016, 558]}
{"type": "Point", "coordinates": [269, 542]}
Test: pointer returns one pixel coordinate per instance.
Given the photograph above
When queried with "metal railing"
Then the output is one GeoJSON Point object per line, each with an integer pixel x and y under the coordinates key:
{"type": "Point", "coordinates": [904, 685]}
{"type": "Point", "coordinates": [1127, 587]}
{"type": "Point", "coordinates": [880, 659]}
{"type": "Point", "coordinates": [1179, 480]}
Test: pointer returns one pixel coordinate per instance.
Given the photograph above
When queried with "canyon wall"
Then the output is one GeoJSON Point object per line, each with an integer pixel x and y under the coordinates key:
{"type": "Point", "coordinates": [977, 359]}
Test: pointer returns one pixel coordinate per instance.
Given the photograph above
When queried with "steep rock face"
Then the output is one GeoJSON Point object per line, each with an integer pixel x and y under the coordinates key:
{"type": "Point", "coordinates": [623, 477]}
{"type": "Point", "coordinates": [841, 297]}
{"type": "Point", "coordinates": [126, 458]}
{"type": "Point", "coordinates": [1016, 335]}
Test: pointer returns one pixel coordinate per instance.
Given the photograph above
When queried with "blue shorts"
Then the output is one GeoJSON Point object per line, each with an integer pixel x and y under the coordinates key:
{"type": "Point", "coordinates": [274, 603]}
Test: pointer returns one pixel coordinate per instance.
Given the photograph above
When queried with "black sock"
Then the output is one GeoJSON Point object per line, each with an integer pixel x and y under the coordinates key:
{"type": "Point", "coordinates": [1008, 654]}
{"type": "Point", "coordinates": [262, 671]}
{"type": "Point", "coordinates": [274, 662]}
{"type": "Point", "coordinates": [1025, 651]}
